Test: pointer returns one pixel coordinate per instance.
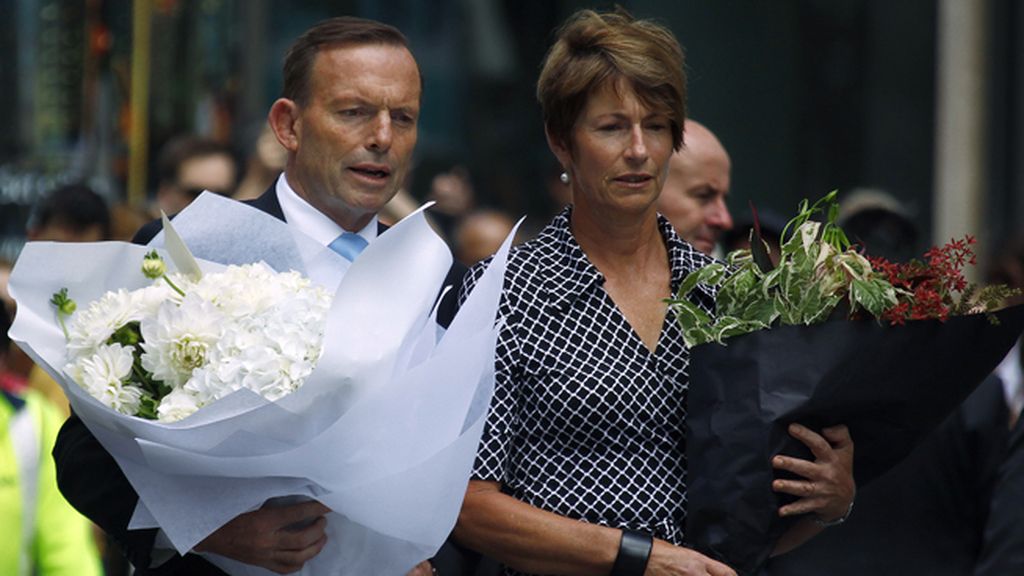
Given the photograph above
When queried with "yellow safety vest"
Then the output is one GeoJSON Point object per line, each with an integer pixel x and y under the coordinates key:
{"type": "Point", "coordinates": [42, 533]}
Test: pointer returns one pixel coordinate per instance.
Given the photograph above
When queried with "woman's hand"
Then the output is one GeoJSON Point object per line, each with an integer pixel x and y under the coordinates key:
{"type": "Point", "coordinates": [669, 560]}
{"type": "Point", "coordinates": [827, 488]}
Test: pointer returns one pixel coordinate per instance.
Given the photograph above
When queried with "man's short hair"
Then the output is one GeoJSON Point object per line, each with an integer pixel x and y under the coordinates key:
{"type": "Point", "coordinates": [339, 31]}
{"type": "Point", "coordinates": [180, 149]}
{"type": "Point", "coordinates": [75, 206]}
{"type": "Point", "coordinates": [593, 48]}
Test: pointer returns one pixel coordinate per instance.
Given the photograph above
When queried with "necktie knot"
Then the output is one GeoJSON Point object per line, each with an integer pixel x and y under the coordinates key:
{"type": "Point", "coordinates": [348, 245]}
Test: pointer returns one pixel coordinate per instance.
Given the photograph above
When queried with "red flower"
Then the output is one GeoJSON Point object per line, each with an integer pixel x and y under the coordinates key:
{"type": "Point", "coordinates": [927, 289]}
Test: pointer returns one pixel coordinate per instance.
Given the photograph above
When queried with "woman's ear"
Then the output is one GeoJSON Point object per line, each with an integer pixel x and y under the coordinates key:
{"type": "Point", "coordinates": [559, 149]}
{"type": "Point", "coordinates": [284, 120]}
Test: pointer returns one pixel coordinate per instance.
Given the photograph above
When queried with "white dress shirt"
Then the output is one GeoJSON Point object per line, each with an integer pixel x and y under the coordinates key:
{"type": "Point", "coordinates": [1011, 373]}
{"type": "Point", "coordinates": [312, 222]}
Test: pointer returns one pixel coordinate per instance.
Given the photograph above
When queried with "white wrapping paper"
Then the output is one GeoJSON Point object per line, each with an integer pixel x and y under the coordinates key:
{"type": "Point", "coordinates": [384, 432]}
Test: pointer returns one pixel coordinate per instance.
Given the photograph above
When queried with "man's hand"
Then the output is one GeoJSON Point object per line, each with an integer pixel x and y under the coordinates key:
{"type": "Point", "coordinates": [669, 560]}
{"type": "Point", "coordinates": [828, 487]}
{"type": "Point", "coordinates": [267, 537]}
{"type": "Point", "coordinates": [424, 568]}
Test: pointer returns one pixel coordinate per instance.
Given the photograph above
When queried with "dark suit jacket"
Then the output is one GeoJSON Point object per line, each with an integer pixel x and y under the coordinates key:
{"type": "Point", "coordinates": [92, 482]}
{"type": "Point", "coordinates": [928, 514]}
{"type": "Point", "coordinates": [1002, 551]}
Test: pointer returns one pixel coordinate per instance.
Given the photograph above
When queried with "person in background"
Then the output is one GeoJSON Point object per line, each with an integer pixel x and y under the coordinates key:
{"type": "Point", "coordinates": [451, 189]}
{"type": "Point", "coordinates": [695, 192]}
{"type": "Point", "coordinates": [881, 224]}
{"type": "Point", "coordinates": [1002, 542]}
{"type": "Point", "coordinates": [188, 165]}
{"type": "Point", "coordinates": [71, 213]}
{"type": "Point", "coordinates": [265, 164]}
{"type": "Point", "coordinates": [771, 225]}
{"type": "Point", "coordinates": [42, 534]}
{"type": "Point", "coordinates": [581, 468]}
{"type": "Point", "coordinates": [479, 234]}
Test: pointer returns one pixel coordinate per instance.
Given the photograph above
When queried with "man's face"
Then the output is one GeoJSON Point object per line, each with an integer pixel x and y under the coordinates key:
{"type": "Point", "coordinates": [215, 173]}
{"type": "Point", "coordinates": [693, 198]}
{"type": "Point", "coordinates": [352, 141]}
{"type": "Point", "coordinates": [63, 232]}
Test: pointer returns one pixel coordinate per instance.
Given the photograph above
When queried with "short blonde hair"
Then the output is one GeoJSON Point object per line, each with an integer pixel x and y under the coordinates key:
{"type": "Point", "coordinates": [592, 48]}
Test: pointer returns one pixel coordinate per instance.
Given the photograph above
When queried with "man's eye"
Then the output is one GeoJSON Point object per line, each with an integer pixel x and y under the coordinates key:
{"type": "Point", "coordinates": [703, 195]}
{"type": "Point", "coordinates": [352, 112]}
{"type": "Point", "coordinates": [403, 119]}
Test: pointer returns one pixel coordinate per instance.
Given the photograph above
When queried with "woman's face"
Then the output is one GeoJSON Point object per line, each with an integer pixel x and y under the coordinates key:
{"type": "Point", "coordinates": [620, 151]}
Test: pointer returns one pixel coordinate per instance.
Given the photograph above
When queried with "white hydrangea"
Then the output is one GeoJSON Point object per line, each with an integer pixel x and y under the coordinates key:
{"type": "Point", "coordinates": [244, 327]}
{"type": "Point", "coordinates": [177, 405]}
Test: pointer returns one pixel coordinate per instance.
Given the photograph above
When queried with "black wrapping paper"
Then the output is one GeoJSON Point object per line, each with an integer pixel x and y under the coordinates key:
{"type": "Point", "coordinates": [891, 385]}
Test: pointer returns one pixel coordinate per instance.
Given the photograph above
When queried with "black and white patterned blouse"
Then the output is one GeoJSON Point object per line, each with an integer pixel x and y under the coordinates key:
{"type": "Point", "coordinates": [585, 421]}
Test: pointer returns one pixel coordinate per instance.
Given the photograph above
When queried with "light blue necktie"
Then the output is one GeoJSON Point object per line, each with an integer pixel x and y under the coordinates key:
{"type": "Point", "coordinates": [349, 245]}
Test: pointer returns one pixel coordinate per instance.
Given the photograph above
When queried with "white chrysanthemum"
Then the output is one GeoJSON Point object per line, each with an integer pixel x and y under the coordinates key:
{"type": "Point", "coordinates": [90, 328]}
{"type": "Point", "coordinates": [177, 405]}
{"type": "Point", "coordinates": [177, 340]}
{"type": "Point", "coordinates": [104, 375]}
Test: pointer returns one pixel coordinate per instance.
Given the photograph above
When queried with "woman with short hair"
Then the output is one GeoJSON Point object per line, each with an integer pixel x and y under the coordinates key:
{"type": "Point", "coordinates": [582, 465]}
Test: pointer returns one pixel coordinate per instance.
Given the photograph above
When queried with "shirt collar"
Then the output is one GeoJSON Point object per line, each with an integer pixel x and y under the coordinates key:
{"type": "Point", "coordinates": [311, 221]}
{"type": "Point", "coordinates": [1011, 373]}
{"type": "Point", "coordinates": [570, 273]}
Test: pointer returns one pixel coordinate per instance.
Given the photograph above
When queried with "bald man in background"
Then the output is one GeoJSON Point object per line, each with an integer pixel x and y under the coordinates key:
{"type": "Point", "coordinates": [693, 198]}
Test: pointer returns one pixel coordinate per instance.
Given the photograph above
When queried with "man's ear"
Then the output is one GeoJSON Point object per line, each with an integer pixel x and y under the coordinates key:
{"type": "Point", "coordinates": [285, 122]}
{"type": "Point", "coordinates": [559, 149]}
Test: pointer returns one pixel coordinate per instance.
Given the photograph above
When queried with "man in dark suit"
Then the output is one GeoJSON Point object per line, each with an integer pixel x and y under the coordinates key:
{"type": "Point", "coordinates": [348, 119]}
{"type": "Point", "coordinates": [1002, 550]}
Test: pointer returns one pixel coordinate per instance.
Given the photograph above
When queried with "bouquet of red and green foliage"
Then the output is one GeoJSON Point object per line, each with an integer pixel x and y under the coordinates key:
{"type": "Point", "coordinates": [827, 336]}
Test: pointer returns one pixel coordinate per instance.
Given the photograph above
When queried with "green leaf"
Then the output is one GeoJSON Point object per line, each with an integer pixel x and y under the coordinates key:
{"type": "Point", "coordinates": [148, 407]}
{"type": "Point", "coordinates": [874, 295]}
{"type": "Point", "coordinates": [736, 290]}
{"type": "Point", "coordinates": [729, 327]}
{"type": "Point", "coordinates": [711, 274]}
{"type": "Point", "coordinates": [689, 315]}
{"type": "Point", "coordinates": [763, 311]}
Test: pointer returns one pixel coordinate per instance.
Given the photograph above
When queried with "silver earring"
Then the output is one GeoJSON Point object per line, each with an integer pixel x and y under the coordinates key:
{"type": "Point", "coordinates": [564, 178]}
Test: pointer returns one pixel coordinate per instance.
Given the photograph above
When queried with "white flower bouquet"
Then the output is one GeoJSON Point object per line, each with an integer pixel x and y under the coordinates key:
{"type": "Point", "coordinates": [168, 349]}
{"type": "Point", "coordinates": [383, 428]}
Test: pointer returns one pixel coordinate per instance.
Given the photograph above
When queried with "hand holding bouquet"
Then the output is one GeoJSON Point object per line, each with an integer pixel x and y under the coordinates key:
{"type": "Point", "coordinates": [808, 342]}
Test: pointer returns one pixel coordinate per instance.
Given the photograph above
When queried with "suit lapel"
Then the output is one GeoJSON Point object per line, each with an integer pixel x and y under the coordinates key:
{"type": "Point", "coordinates": [268, 202]}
